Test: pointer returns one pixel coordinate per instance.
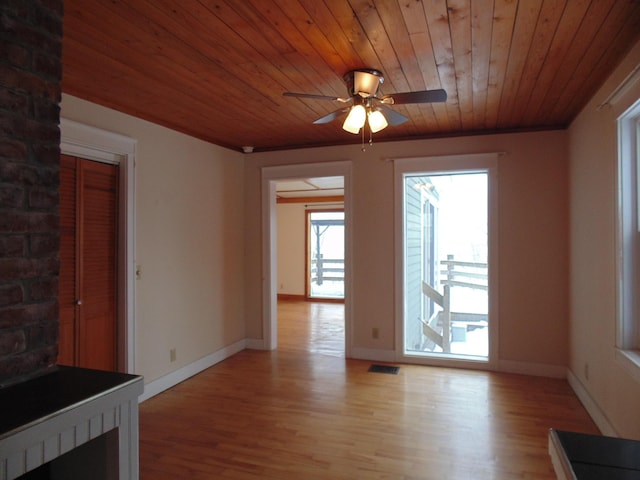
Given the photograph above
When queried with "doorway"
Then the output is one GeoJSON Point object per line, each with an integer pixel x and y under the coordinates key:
{"type": "Point", "coordinates": [88, 286]}
{"type": "Point", "coordinates": [445, 252]}
{"type": "Point", "coordinates": [324, 254]}
{"type": "Point", "coordinates": [84, 141]}
{"type": "Point", "coordinates": [446, 275]}
{"type": "Point", "coordinates": [271, 176]}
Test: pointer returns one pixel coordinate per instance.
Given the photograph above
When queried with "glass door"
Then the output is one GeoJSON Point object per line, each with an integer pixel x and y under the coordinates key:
{"type": "Point", "coordinates": [446, 288]}
{"type": "Point", "coordinates": [325, 254]}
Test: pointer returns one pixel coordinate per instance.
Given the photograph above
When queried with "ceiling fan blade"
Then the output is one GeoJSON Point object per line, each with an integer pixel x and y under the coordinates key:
{"type": "Point", "coordinates": [394, 118]}
{"type": "Point", "coordinates": [332, 116]}
{"type": "Point", "coordinates": [316, 97]}
{"type": "Point", "coordinates": [423, 96]}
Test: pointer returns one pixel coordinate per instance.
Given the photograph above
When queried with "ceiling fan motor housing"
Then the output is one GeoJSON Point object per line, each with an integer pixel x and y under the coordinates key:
{"type": "Point", "coordinates": [363, 82]}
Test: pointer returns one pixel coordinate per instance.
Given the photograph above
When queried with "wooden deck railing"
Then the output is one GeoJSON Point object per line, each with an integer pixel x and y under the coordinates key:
{"type": "Point", "coordinates": [457, 274]}
{"type": "Point", "coordinates": [330, 269]}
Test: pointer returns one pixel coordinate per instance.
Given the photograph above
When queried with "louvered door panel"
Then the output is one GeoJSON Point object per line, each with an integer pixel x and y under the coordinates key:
{"type": "Point", "coordinates": [88, 257]}
{"type": "Point", "coordinates": [97, 332]}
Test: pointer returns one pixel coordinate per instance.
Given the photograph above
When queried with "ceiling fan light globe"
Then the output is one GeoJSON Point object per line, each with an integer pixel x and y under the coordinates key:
{"type": "Point", "coordinates": [355, 120]}
{"type": "Point", "coordinates": [365, 83]}
{"type": "Point", "coordinates": [377, 121]}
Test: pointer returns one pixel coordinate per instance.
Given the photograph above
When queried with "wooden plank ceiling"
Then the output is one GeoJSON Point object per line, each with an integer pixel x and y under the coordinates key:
{"type": "Point", "coordinates": [216, 69]}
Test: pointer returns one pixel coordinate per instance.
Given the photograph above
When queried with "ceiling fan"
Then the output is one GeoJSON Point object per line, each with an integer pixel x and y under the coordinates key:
{"type": "Point", "coordinates": [368, 105]}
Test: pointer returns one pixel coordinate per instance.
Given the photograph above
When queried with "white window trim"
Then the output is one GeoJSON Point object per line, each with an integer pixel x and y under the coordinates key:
{"type": "Point", "coordinates": [461, 163]}
{"type": "Point", "coordinates": [627, 243]}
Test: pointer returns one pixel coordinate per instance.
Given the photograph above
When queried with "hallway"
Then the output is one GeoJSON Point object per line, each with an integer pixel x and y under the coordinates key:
{"type": "Point", "coordinates": [312, 327]}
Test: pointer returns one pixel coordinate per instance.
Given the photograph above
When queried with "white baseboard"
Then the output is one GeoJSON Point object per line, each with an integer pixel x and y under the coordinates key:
{"type": "Point", "coordinates": [508, 366]}
{"type": "Point", "coordinates": [591, 406]}
{"type": "Point", "coordinates": [255, 343]}
{"type": "Point", "coordinates": [388, 356]}
{"type": "Point", "coordinates": [171, 379]}
{"type": "Point", "coordinates": [533, 369]}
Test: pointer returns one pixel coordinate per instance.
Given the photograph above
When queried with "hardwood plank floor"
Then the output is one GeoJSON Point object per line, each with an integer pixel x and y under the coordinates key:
{"type": "Point", "coordinates": [311, 327]}
{"type": "Point", "coordinates": [305, 412]}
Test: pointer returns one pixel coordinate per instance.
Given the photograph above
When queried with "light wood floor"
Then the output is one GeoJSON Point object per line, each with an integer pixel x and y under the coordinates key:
{"type": "Point", "coordinates": [304, 412]}
{"type": "Point", "coordinates": [310, 328]}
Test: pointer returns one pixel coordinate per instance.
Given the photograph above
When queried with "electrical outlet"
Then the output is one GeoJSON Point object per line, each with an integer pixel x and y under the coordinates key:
{"type": "Point", "coordinates": [586, 370]}
{"type": "Point", "coordinates": [172, 355]}
{"type": "Point", "coordinates": [375, 333]}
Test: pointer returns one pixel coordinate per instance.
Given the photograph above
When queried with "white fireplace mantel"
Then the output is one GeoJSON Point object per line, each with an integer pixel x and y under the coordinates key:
{"type": "Point", "coordinates": [45, 418]}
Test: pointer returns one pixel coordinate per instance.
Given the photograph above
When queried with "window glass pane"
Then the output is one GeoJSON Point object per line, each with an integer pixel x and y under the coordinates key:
{"type": "Point", "coordinates": [446, 271]}
{"type": "Point", "coordinates": [326, 254]}
{"type": "Point", "coordinates": [628, 337]}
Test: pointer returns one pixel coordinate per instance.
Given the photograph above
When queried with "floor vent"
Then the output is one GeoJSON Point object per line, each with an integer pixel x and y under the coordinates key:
{"type": "Point", "coordinates": [384, 369]}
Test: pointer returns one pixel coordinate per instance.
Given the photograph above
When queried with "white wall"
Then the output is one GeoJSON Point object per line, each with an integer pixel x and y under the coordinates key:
{"type": "Point", "coordinates": [593, 168]}
{"type": "Point", "coordinates": [291, 246]}
{"type": "Point", "coordinates": [291, 237]}
{"type": "Point", "coordinates": [189, 241]}
{"type": "Point", "coordinates": [533, 248]}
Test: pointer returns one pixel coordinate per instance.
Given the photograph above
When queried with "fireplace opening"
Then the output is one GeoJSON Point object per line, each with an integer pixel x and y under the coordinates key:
{"type": "Point", "coordinates": [96, 460]}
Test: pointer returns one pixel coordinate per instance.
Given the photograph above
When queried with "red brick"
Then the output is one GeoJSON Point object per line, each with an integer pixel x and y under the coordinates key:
{"type": "Point", "coordinates": [44, 289]}
{"type": "Point", "coordinates": [30, 72]}
{"type": "Point", "coordinates": [43, 199]}
{"type": "Point", "coordinates": [16, 8]}
{"type": "Point", "coordinates": [48, 66]}
{"type": "Point", "coordinates": [44, 245]}
{"type": "Point", "coordinates": [31, 36]}
{"type": "Point", "coordinates": [30, 175]}
{"type": "Point", "coordinates": [14, 54]}
{"type": "Point", "coordinates": [12, 342]}
{"type": "Point", "coordinates": [11, 295]}
{"type": "Point", "coordinates": [47, 21]}
{"type": "Point", "coordinates": [46, 110]}
{"type": "Point", "coordinates": [14, 101]}
{"type": "Point", "coordinates": [23, 222]}
{"type": "Point", "coordinates": [24, 81]}
{"type": "Point", "coordinates": [23, 315]}
{"type": "Point", "coordinates": [54, 6]}
{"type": "Point", "coordinates": [11, 196]}
{"type": "Point", "coordinates": [12, 246]}
{"type": "Point", "coordinates": [46, 131]}
{"type": "Point", "coordinates": [23, 268]}
{"type": "Point", "coordinates": [26, 128]}
{"type": "Point", "coordinates": [46, 153]}
{"type": "Point", "coordinates": [41, 335]}
{"type": "Point", "coordinates": [27, 363]}
{"type": "Point", "coordinates": [11, 149]}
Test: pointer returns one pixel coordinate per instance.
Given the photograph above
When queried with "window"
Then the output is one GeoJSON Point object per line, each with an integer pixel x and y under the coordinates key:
{"type": "Point", "coordinates": [628, 335]}
{"type": "Point", "coordinates": [446, 258]}
{"type": "Point", "coordinates": [325, 254]}
{"type": "Point", "coordinates": [445, 264]}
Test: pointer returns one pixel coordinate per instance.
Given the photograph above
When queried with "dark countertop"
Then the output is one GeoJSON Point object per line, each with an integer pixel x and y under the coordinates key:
{"type": "Point", "coordinates": [598, 457]}
{"type": "Point", "coordinates": [34, 400]}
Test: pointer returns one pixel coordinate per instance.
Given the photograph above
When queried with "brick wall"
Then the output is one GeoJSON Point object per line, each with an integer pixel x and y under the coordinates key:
{"type": "Point", "coordinates": [30, 74]}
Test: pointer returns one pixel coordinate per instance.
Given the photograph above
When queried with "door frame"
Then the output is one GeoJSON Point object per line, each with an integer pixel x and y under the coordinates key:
{"type": "Point", "coordinates": [270, 177]}
{"type": "Point", "coordinates": [445, 164]}
{"type": "Point", "coordinates": [92, 143]}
